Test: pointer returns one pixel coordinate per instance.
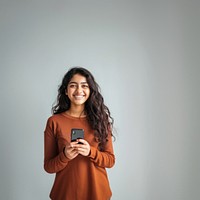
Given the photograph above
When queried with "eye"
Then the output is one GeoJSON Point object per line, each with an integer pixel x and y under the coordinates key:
{"type": "Point", "coordinates": [72, 86]}
{"type": "Point", "coordinates": [85, 86]}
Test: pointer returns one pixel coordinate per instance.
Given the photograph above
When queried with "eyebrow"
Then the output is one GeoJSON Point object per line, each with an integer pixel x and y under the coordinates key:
{"type": "Point", "coordinates": [73, 82]}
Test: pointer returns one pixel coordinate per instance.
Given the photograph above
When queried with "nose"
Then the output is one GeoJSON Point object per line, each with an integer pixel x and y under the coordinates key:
{"type": "Point", "coordinates": [79, 89]}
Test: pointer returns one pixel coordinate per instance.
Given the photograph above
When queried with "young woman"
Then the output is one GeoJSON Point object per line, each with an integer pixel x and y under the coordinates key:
{"type": "Point", "coordinates": [80, 166]}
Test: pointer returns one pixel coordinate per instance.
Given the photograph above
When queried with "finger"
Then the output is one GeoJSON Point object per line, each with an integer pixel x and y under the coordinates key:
{"type": "Point", "coordinates": [83, 148]}
{"type": "Point", "coordinates": [72, 154]}
{"type": "Point", "coordinates": [82, 141]}
{"type": "Point", "coordinates": [72, 144]}
{"type": "Point", "coordinates": [84, 152]}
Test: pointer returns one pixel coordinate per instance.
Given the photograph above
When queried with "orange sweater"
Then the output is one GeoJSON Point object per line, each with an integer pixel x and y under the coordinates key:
{"type": "Point", "coordinates": [82, 178]}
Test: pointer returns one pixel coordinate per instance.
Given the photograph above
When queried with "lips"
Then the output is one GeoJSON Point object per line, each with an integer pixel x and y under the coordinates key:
{"type": "Point", "coordinates": [79, 97]}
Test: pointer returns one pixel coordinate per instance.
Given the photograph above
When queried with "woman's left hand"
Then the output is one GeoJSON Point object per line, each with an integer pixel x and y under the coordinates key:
{"type": "Point", "coordinates": [84, 148]}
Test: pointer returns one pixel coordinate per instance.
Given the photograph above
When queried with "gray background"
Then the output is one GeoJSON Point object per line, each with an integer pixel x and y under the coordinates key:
{"type": "Point", "coordinates": [145, 57]}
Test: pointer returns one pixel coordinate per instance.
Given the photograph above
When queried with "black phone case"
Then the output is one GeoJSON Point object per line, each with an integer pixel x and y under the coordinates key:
{"type": "Point", "coordinates": [77, 134]}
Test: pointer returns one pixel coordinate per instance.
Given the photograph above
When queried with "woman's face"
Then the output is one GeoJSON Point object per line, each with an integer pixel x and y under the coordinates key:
{"type": "Point", "coordinates": [78, 90]}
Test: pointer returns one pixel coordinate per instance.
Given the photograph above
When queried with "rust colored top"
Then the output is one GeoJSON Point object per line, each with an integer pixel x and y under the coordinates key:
{"type": "Point", "coordinates": [84, 177]}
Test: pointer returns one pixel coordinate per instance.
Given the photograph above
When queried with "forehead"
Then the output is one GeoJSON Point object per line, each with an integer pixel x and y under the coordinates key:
{"type": "Point", "coordinates": [78, 78]}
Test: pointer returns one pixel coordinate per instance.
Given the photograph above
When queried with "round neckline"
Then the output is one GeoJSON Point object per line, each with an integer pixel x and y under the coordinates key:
{"type": "Point", "coordinates": [73, 117]}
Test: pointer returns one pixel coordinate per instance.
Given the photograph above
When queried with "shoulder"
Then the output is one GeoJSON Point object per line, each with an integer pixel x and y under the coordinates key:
{"type": "Point", "coordinates": [56, 118]}
{"type": "Point", "coordinates": [55, 121]}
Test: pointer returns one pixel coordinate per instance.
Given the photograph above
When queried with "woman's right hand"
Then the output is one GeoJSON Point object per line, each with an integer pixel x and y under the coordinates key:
{"type": "Point", "coordinates": [69, 151]}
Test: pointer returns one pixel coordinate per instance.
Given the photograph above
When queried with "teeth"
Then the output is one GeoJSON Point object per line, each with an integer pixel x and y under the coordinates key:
{"type": "Point", "coordinates": [78, 97]}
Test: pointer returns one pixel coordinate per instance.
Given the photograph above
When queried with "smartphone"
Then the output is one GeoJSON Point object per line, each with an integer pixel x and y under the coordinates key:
{"type": "Point", "coordinates": [77, 133]}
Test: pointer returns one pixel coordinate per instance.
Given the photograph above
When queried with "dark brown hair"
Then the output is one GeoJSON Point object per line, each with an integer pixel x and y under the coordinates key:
{"type": "Point", "coordinates": [98, 114]}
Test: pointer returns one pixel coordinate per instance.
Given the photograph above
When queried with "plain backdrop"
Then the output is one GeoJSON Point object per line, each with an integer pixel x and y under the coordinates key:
{"type": "Point", "coordinates": [145, 56]}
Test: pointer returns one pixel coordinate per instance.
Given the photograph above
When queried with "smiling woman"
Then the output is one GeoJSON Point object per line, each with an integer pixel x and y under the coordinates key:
{"type": "Point", "coordinates": [81, 163]}
{"type": "Point", "coordinates": [78, 92]}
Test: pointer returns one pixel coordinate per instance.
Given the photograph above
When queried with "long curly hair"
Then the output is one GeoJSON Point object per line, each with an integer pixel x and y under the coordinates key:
{"type": "Point", "coordinates": [97, 113]}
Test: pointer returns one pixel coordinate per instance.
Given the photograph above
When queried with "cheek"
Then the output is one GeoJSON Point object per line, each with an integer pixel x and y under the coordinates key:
{"type": "Point", "coordinates": [88, 94]}
{"type": "Point", "coordinates": [69, 91]}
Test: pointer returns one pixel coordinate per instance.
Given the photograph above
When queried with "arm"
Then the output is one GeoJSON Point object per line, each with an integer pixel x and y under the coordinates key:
{"type": "Point", "coordinates": [54, 161]}
{"type": "Point", "coordinates": [104, 158]}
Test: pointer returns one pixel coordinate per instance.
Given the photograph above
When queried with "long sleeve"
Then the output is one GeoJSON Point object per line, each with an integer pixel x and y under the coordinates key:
{"type": "Point", "coordinates": [54, 161]}
{"type": "Point", "coordinates": [104, 158]}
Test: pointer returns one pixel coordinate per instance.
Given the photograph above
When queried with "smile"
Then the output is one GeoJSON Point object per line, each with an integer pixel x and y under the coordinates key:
{"type": "Point", "coordinates": [78, 97]}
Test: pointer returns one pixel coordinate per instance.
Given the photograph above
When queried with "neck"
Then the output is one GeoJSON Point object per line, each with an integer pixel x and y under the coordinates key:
{"type": "Point", "coordinates": [76, 111]}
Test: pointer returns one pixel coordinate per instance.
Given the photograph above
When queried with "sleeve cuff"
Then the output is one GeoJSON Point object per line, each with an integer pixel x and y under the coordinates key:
{"type": "Point", "coordinates": [92, 152]}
